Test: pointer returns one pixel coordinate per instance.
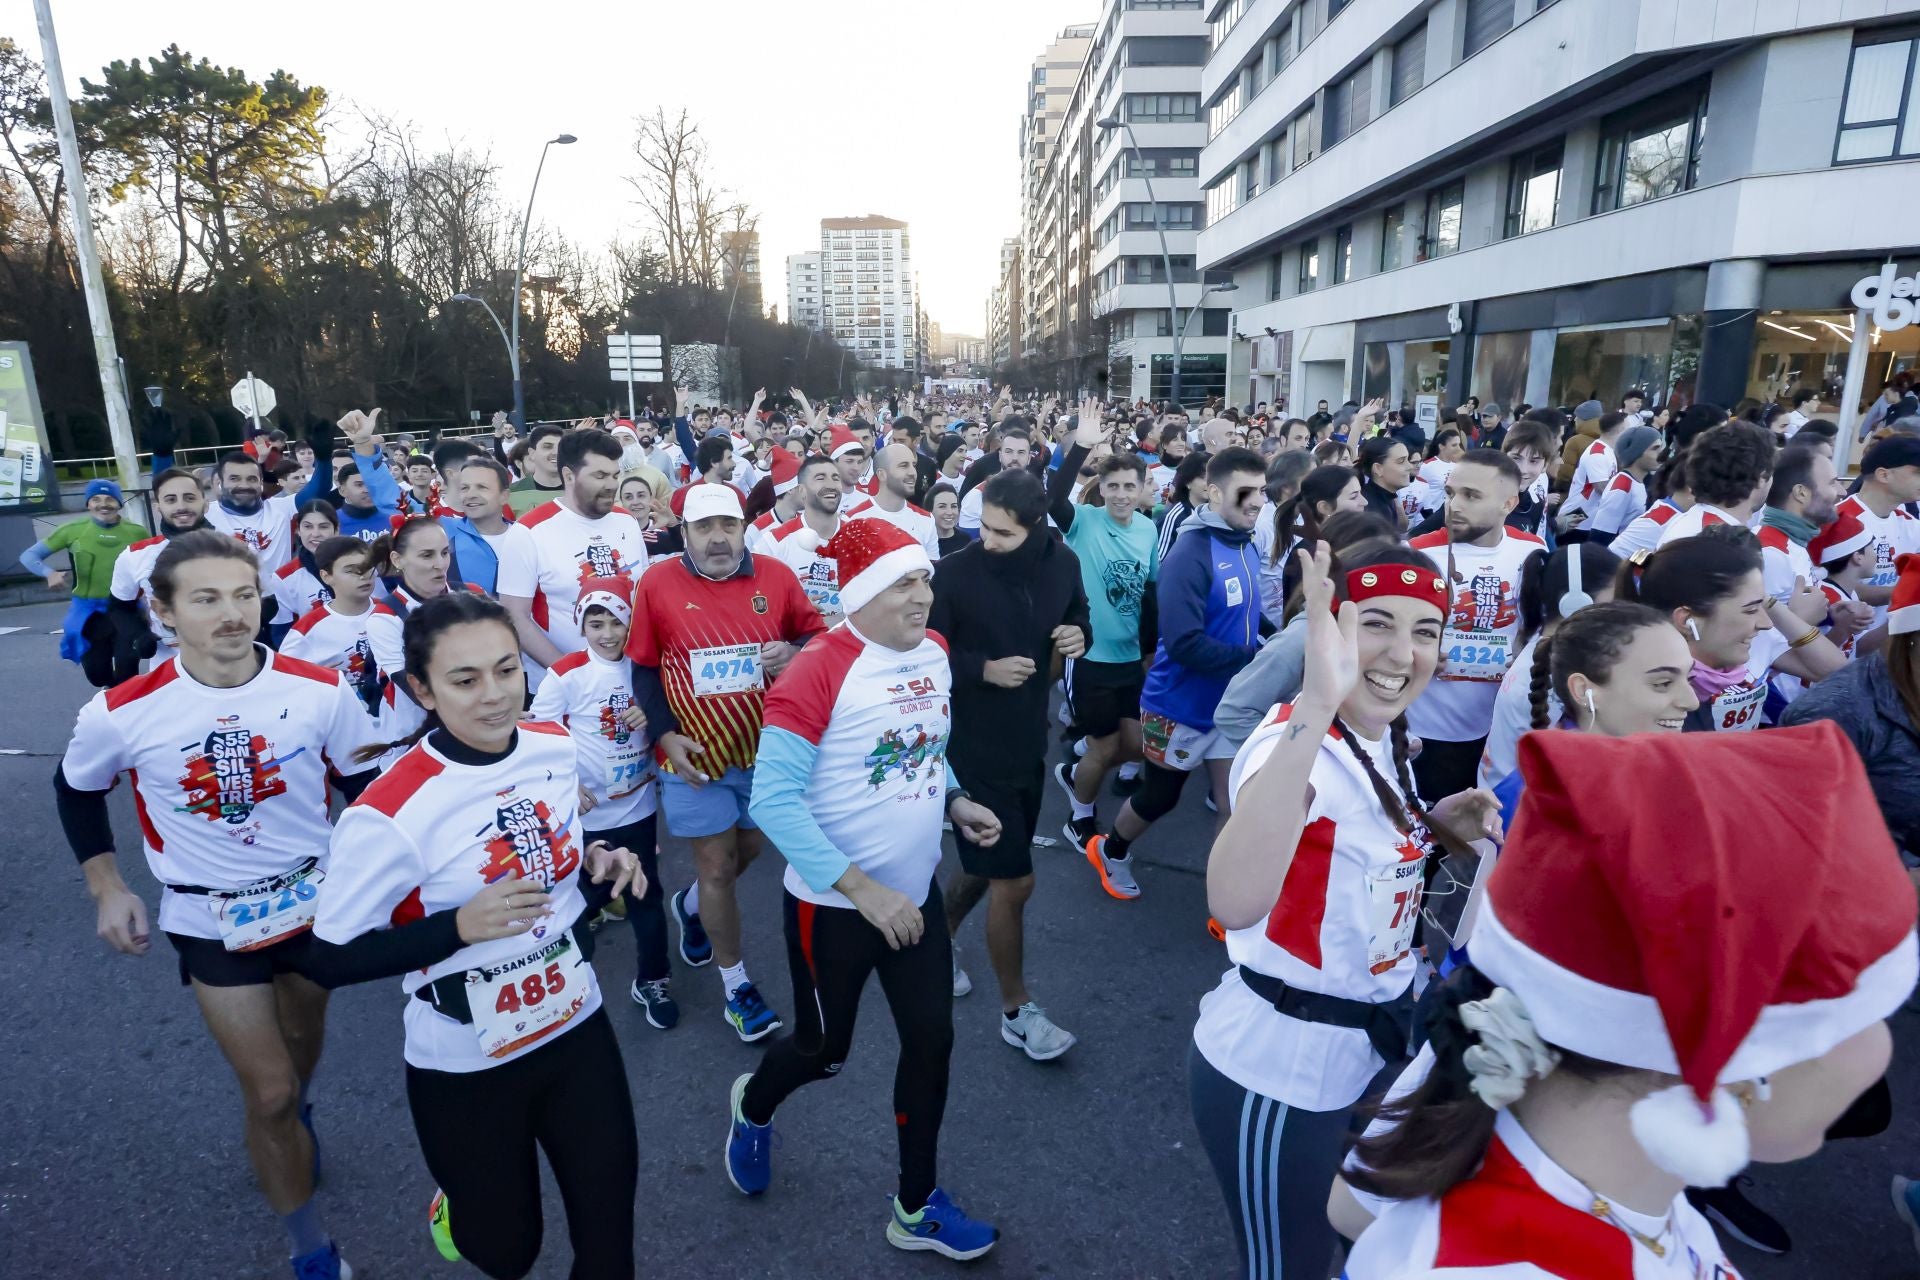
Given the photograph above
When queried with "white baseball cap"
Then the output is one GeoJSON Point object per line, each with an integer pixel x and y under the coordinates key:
{"type": "Point", "coordinates": [707, 500]}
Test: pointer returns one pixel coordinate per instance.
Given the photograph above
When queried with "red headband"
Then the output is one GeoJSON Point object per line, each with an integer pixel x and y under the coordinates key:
{"type": "Point", "coordinates": [1398, 580]}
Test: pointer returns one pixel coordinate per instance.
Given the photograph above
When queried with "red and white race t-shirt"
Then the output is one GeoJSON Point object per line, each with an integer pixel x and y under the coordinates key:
{"type": "Point", "coordinates": [298, 590]}
{"type": "Point", "coordinates": [1342, 925]}
{"type": "Point", "coordinates": [386, 633]}
{"type": "Point", "coordinates": [879, 720]}
{"type": "Point", "coordinates": [796, 546]}
{"type": "Point", "coordinates": [1477, 646]}
{"type": "Point", "coordinates": [1590, 477]}
{"type": "Point", "coordinates": [1701, 515]}
{"type": "Point", "coordinates": [909, 519]}
{"type": "Point", "coordinates": [1893, 534]}
{"type": "Point", "coordinates": [1644, 533]}
{"type": "Point", "coordinates": [1781, 561]}
{"type": "Point", "coordinates": [132, 578]}
{"type": "Point", "coordinates": [230, 784]}
{"type": "Point", "coordinates": [761, 527]}
{"type": "Point", "coordinates": [1624, 502]}
{"type": "Point", "coordinates": [1472, 1231]}
{"type": "Point", "coordinates": [267, 531]}
{"type": "Point", "coordinates": [1741, 707]}
{"type": "Point", "coordinates": [1835, 596]}
{"type": "Point", "coordinates": [341, 642]}
{"type": "Point", "coordinates": [867, 486]}
{"type": "Point", "coordinates": [568, 550]}
{"type": "Point", "coordinates": [591, 697]}
{"type": "Point", "coordinates": [428, 835]}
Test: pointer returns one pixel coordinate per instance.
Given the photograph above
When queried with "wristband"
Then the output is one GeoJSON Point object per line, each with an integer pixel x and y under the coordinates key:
{"type": "Point", "coordinates": [955, 795]}
{"type": "Point", "coordinates": [1813, 633]}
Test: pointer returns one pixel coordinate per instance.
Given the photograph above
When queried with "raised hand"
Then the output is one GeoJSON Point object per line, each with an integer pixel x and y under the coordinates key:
{"type": "Point", "coordinates": [1332, 650]}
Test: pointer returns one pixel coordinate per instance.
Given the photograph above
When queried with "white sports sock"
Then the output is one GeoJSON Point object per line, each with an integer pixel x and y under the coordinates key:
{"type": "Point", "coordinates": [1130, 770]}
{"type": "Point", "coordinates": [1080, 747]}
{"type": "Point", "coordinates": [692, 901]}
{"type": "Point", "coordinates": [1081, 810]}
{"type": "Point", "coordinates": [734, 977]}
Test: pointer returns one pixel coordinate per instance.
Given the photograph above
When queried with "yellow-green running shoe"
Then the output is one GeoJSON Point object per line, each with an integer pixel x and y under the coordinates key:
{"type": "Point", "coordinates": [440, 1222]}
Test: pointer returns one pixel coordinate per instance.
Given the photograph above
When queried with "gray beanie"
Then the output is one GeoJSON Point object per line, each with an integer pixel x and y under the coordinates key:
{"type": "Point", "coordinates": [1633, 442]}
{"type": "Point", "coordinates": [1588, 411]}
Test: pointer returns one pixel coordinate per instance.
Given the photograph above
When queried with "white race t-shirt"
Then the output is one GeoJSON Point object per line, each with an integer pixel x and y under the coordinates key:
{"type": "Point", "coordinates": [341, 642]}
{"type": "Point", "coordinates": [1624, 502]}
{"type": "Point", "coordinates": [796, 546]}
{"type": "Point", "coordinates": [1781, 561]}
{"type": "Point", "coordinates": [1590, 477]}
{"type": "Point", "coordinates": [1643, 534]}
{"type": "Point", "coordinates": [1513, 718]}
{"type": "Point", "coordinates": [298, 590]}
{"type": "Point", "coordinates": [230, 784]}
{"type": "Point", "coordinates": [909, 519]}
{"type": "Point", "coordinates": [569, 549]}
{"type": "Point", "coordinates": [267, 532]}
{"type": "Point", "coordinates": [879, 720]}
{"type": "Point", "coordinates": [431, 833]}
{"type": "Point", "coordinates": [1893, 535]}
{"type": "Point", "coordinates": [590, 696]}
{"type": "Point", "coordinates": [1701, 515]}
{"type": "Point", "coordinates": [132, 578]}
{"type": "Point", "coordinates": [1342, 925]}
{"type": "Point", "coordinates": [1477, 646]}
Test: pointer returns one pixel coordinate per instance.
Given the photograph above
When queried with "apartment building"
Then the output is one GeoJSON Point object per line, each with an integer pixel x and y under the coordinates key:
{"type": "Point", "coordinates": [1055, 74]}
{"type": "Point", "coordinates": [1542, 201]}
{"type": "Point", "coordinates": [869, 297]}
{"type": "Point", "coordinates": [803, 291]}
{"type": "Point", "coordinates": [740, 267]}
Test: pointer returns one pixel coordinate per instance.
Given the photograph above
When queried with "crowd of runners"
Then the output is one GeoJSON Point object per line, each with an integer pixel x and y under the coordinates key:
{"type": "Point", "coordinates": [1478, 707]}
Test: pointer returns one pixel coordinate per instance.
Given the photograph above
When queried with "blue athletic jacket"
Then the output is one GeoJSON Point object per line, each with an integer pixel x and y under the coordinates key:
{"type": "Point", "coordinates": [1209, 596]}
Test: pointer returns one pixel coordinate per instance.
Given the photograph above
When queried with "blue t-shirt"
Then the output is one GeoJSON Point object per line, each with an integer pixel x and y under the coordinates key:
{"type": "Point", "coordinates": [1116, 564]}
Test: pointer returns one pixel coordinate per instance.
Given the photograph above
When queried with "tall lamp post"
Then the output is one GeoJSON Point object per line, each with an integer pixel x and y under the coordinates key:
{"type": "Point", "coordinates": [513, 351]}
{"type": "Point", "coordinates": [519, 274]}
{"type": "Point", "coordinates": [1159, 225]}
{"type": "Point", "coordinates": [1180, 338]}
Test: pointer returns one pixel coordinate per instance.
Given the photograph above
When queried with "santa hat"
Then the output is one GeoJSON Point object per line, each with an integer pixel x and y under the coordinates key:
{"type": "Point", "coordinates": [873, 555]}
{"type": "Point", "coordinates": [785, 469]}
{"type": "Point", "coordinates": [1721, 927]}
{"type": "Point", "coordinates": [839, 440]}
{"type": "Point", "coordinates": [615, 595]}
{"type": "Point", "coordinates": [1903, 610]}
{"type": "Point", "coordinates": [1842, 538]}
{"type": "Point", "coordinates": [623, 427]}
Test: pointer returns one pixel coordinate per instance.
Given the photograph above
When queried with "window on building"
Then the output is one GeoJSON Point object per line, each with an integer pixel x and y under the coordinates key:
{"type": "Point", "coordinates": [1652, 149]}
{"type": "Point", "coordinates": [1334, 7]}
{"type": "Point", "coordinates": [1881, 112]}
{"type": "Point", "coordinates": [1182, 217]}
{"type": "Point", "coordinates": [1163, 51]}
{"type": "Point", "coordinates": [1307, 277]}
{"type": "Point", "coordinates": [1223, 111]}
{"type": "Point", "coordinates": [1249, 178]}
{"type": "Point", "coordinates": [1215, 322]}
{"type": "Point", "coordinates": [1163, 4]}
{"type": "Point", "coordinates": [1441, 234]}
{"type": "Point", "coordinates": [1163, 108]}
{"type": "Point", "coordinates": [1276, 153]}
{"type": "Point", "coordinates": [1222, 199]}
{"type": "Point", "coordinates": [1349, 105]}
{"type": "Point", "coordinates": [1409, 66]}
{"type": "Point", "coordinates": [1225, 21]}
{"type": "Point", "coordinates": [1275, 276]}
{"type": "Point", "coordinates": [1533, 190]}
{"type": "Point", "coordinates": [1280, 51]}
{"type": "Point", "coordinates": [1487, 21]}
{"type": "Point", "coordinates": [1302, 131]}
{"type": "Point", "coordinates": [1343, 254]}
{"type": "Point", "coordinates": [1392, 229]}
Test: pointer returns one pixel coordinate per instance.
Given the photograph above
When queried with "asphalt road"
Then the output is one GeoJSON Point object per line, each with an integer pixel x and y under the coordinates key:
{"type": "Point", "coordinates": [119, 1151]}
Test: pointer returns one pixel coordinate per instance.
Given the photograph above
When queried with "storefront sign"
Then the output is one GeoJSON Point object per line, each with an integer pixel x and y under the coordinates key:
{"type": "Point", "coordinates": [1890, 297]}
{"type": "Point", "coordinates": [1426, 411]}
{"type": "Point", "coordinates": [26, 465]}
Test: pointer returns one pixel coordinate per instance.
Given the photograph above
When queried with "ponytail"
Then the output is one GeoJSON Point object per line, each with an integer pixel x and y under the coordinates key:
{"type": "Point", "coordinates": [1540, 682]}
{"type": "Point", "coordinates": [374, 750]}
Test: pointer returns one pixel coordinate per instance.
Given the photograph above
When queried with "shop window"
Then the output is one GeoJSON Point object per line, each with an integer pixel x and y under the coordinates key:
{"type": "Point", "coordinates": [1882, 107]}
{"type": "Point", "coordinates": [1200, 376]}
{"type": "Point", "coordinates": [1601, 362]}
{"type": "Point", "coordinates": [1652, 150]}
{"type": "Point", "coordinates": [1500, 364]}
{"type": "Point", "coordinates": [1440, 236]}
{"type": "Point", "coordinates": [1533, 190]}
{"type": "Point", "coordinates": [1392, 227]}
{"type": "Point", "coordinates": [1793, 349]}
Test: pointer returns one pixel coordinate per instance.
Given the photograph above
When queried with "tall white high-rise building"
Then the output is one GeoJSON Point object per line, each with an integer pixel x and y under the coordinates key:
{"type": "Point", "coordinates": [868, 291]}
{"type": "Point", "coordinates": [803, 291]}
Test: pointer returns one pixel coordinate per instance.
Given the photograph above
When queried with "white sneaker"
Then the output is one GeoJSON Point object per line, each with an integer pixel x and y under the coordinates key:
{"type": "Point", "coordinates": [1034, 1033]}
{"type": "Point", "coordinates": [962, 984]}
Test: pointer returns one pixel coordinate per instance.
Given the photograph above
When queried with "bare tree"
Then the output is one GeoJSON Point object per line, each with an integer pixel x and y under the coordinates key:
{"type": "Point", "coordinates": [687, 210]}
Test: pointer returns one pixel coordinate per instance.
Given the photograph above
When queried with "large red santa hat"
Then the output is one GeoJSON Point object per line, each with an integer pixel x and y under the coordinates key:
{"type": "Point", "coordinates": [873, 555]}
{"type": "Point", "coordinates": [1903, 610]}
{"type": "Point", "coordinates": [1730, 921]}
{"type": "Point", "coordinates": [840, 439]}
{"type": "Point", "coordinates": [1844, 536]}
{"type": "Point", "coordinates": [785, 470]}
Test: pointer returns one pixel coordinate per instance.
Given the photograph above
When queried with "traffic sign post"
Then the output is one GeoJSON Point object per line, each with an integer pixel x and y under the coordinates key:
{"type": "Point", "coordinates": [253, 398]}
{"type": "Point", "coordinates": [635, 357]}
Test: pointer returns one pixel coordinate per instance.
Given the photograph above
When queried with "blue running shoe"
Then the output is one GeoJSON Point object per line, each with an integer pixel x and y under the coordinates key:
{"type": "Point", "coordinates": [662, 1011]}
{"type": "Point", "coordinates": [322, 1264]}
{"type": "Point", "coordinates": [306, 1121]}
{"type": "Point", "coordinates": [942, 1226]}
{"type": "Point", "coordinates": [694, 947]}
{"type": "Point", "coordinates": [749, 1147]}
{"type": "Point", "coordinates": [748, 1013]}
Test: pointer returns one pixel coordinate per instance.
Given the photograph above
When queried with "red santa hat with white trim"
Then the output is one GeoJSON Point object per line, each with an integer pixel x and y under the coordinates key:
{"type": "Point", "coordinates": [1903, 610]}
{"type": "Point", "coordinates": [1841, 538]}
{"type": "Point", "coordinates": [840, 439]}
{"type": "Point", "coordinates": [873, 555]}
{"type": "Point", "coordinates": [615, 595]}
{"type": "Point", "coordinates": [1728, 923]}
{"type": "Point", "coordinates": [784, 467]}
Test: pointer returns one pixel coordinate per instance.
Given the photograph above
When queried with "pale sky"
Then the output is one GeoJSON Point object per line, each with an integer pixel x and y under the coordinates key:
{"type": "Point", "coordinates": [811, 109]}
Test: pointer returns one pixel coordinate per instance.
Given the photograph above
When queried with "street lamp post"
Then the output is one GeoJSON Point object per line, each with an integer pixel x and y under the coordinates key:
{"type": "Point", "coordinates": [513, 352]}
{"type": "Point", "coordinates": [519, 274]}
{"type": "Point", "coordinates": [1180, 338]}
{"type": "Point", "coordinates": [1166, 258]}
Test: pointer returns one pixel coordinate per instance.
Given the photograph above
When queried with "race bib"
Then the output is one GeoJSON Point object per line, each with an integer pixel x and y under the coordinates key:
{"type": "Point", "coordinates": [1738, 708]}
{"type": "Point", "coordinates": [267, 912]}
{"type": "Point", "coordinates": [1393, 906]}
{"type": "Point", "coordinates": [728, 668]}
{"type": "Point", "coordinates": [627, 772]}
{"type": "Point", "coordinates": [1476, 655]}
{"type": "Point", "coordinates": [530, 998]}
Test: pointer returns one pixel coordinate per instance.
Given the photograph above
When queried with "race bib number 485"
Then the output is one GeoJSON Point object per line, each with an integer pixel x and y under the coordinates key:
{"type": "Point", "coordinates": [530, 998]}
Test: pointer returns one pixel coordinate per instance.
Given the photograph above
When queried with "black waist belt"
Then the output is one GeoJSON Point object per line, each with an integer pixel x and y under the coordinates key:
{"type": "Point", "coordinates": [448, 992]}
{"type": "Point", "coordinates": [1388, 1026]}
{"type": "Point", "coordinates": [268, 885]}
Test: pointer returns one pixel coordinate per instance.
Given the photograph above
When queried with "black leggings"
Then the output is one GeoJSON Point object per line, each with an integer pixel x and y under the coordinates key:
{"type": "Point", "coordinates": [830, 951]}
{"type": "Point", "coordinates": [479, 1130]}
{"type": "Point", "coordinates": [647, 913]}
{"type": "Point", "coordinates": [1159, 791]}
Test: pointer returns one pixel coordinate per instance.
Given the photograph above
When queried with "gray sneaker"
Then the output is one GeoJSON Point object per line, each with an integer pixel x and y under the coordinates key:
{"type": "Point", "coordinates": [1032, 1032]}
{"type": "Point", "coordinates": [962, 984]}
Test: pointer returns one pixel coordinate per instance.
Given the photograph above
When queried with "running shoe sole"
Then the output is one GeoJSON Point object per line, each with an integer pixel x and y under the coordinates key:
{"type": "Point", "coordinates": [1094, 856]}
{"type": "Point", "coordinates": [1006, 1033]}
{"type": "Point", "coordinates": [679, 921]}
{"type": "Point", "coordinates": [900, 1238]}
{"type": "Point", "coordinates": [1901, 1207]}
{"type": "Point", "coordinates": [744, 1034]}
{"type": "Point", "coordinates": [726, 1148]}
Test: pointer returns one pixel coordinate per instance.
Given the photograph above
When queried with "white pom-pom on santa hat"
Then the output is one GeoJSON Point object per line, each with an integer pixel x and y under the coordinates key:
{"type": "Point", "coordinates": [1703, 1143]}
{"type": "Point", "coordinates": [873, 555]}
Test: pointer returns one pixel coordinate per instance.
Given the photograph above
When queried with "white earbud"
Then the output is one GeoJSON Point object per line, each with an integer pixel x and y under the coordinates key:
{"type": "Point", "coordinates": [1693, 629]}
{"type": "Point", "coordinates": [1591, 709]}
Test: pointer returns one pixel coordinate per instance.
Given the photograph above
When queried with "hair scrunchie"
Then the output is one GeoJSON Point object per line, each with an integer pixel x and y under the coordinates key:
{"type": "Point", "coordinates": [1508, 1051]}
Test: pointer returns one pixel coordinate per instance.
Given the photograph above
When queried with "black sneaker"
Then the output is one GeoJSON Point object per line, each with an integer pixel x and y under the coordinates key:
{"type": "Point", "coordinates": [1080, 830]}
{"type": "Point", "coordinates": [1123, 786]}
{"type": "Point", "coordinates": [1730, 1210]}
{"type": "Point", "coordinates": [1063, 776]}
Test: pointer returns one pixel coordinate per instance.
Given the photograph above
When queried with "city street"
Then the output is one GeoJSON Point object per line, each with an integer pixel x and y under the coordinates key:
{"type": "Point", "coordinates": [120, 1121]}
